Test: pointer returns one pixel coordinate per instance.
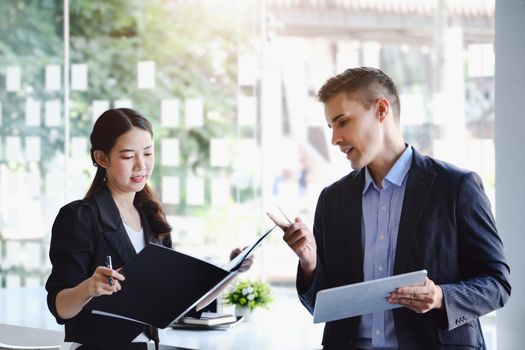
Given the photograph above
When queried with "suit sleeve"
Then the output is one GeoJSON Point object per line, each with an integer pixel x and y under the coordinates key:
{"type": "Point", "coordinates": [307, 291]}
{"type": "Point", "coordinates": [485, 273]}
{"type": "Point", "coordinates": [71, 251]}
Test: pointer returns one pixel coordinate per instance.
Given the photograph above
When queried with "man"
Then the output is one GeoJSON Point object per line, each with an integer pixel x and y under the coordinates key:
{"type": "Point", "coordinates": [397, 212]}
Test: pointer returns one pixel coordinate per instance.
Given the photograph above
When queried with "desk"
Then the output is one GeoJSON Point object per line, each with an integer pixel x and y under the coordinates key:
{"type": "Point", "coordinates": [286, 325]}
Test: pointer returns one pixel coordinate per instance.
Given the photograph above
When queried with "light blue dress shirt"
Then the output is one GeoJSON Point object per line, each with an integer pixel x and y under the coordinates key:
{"type": "Point", "coordinates": [379, 229]}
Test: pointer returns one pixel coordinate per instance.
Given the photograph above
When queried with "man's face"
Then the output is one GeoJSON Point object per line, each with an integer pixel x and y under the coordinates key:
{"type": "Point", "coordinates": [355, 130]}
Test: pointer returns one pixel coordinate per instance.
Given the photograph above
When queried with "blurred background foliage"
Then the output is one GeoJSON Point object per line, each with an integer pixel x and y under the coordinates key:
{"type": "Point", "coordinates": [194, 46]}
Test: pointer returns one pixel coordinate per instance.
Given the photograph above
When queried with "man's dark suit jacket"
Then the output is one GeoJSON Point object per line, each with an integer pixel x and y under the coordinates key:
{"type": "Point", "coordinates": [83, 234]}
{"type": "Point", "coordinates": [446, 228]}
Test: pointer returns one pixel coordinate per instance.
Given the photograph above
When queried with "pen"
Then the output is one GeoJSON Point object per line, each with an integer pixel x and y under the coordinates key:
{"type": "Point", "coordinates": [109, 265]}
{"type": "Point", "coordinates": [307, 246]}
{"type": "Point", "coordinates": [286, 217]}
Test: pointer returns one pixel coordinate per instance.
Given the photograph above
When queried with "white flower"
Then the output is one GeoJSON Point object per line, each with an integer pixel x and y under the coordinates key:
{"type": "Point", "coordinates": [250, 297]}
{"type": "Point", "coordinates": [245, 291]}
{"type": "Point", "coordinates": [250, 290]}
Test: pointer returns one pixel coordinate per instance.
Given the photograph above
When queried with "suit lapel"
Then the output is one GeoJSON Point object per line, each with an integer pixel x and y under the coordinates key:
{"type": "Point", "coordinates": [347, 242]}
{"type": "Point", "coordinates": [419, 183]}
{"type": "Point", "coordinates": [148, 233]}
{"type": "Point", "coordinates": [354, 233]}
{"type": "Point", "coordinates": [112, 227]}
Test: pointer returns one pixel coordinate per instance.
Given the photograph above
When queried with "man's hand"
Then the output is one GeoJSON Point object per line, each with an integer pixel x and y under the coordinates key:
{"type": "Point", "coordinates": [301, 241]}
{"type": "Point", "coordinates": [420, 299]}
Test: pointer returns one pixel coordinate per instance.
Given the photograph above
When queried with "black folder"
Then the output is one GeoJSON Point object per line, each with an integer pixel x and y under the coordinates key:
{"type": "Point", "coordinates": [162, 285]}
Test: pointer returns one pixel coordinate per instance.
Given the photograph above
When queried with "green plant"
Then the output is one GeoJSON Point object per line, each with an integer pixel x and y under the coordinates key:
{"type": "Point", "coordinates": [249, 294]}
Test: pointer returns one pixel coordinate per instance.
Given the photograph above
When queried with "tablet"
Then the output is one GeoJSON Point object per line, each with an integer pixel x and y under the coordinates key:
{"type": "Point", "coordinates": [362, 298]}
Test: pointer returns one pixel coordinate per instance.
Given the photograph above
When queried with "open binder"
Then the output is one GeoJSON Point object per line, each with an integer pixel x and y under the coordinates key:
{"type": "Point", "coordinates": [162, 285]}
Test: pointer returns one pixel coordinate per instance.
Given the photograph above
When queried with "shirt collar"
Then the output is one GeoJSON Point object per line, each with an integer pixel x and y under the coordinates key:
{"type": "Point", "coordinates": [368, 180]}
{"type": "Point", "coordinates": [396, 174]}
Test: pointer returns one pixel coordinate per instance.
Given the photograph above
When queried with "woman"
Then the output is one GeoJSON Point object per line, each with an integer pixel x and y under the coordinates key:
{"type": "Point", "coordinates": [118, 217]}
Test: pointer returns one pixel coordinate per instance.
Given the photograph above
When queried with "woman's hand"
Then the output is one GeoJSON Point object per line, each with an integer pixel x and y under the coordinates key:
{"type": "Point", "coordinates": [70, 301]}
{"type": "Point", "coordinates": [104, 281]}
{"type": "Point", "coordinates": [246, 264]}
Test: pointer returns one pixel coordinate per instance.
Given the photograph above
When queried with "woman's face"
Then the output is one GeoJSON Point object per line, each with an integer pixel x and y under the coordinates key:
{"type": "Point", "coordinates": [130, 161]}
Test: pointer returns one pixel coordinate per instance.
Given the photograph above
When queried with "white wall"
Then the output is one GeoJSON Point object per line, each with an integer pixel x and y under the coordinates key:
{"type": "Point", "coordinates": [510, 162]}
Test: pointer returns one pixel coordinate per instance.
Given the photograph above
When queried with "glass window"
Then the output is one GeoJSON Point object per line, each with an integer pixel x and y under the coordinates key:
{"type": "Point", "coordinates": [230, 88]}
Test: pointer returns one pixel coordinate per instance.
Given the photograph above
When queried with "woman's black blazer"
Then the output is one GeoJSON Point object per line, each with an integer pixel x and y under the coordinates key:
{"type": "Point", "coordinates": [83, 234]}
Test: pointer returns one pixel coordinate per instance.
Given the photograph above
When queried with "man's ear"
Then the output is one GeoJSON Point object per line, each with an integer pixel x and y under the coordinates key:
{"type": "Point", "coordinates": [382, 108]}
{"type": "Point", "coordinates": [101, 158]}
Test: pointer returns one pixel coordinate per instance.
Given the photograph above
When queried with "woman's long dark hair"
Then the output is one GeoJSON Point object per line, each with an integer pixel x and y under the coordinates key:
{"type": "Point", "coordinates": [109, 126]}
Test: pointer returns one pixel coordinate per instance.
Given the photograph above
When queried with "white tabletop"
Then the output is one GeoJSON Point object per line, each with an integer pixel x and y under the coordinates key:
{"type": "Point", "coordinates": [285, 325]}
